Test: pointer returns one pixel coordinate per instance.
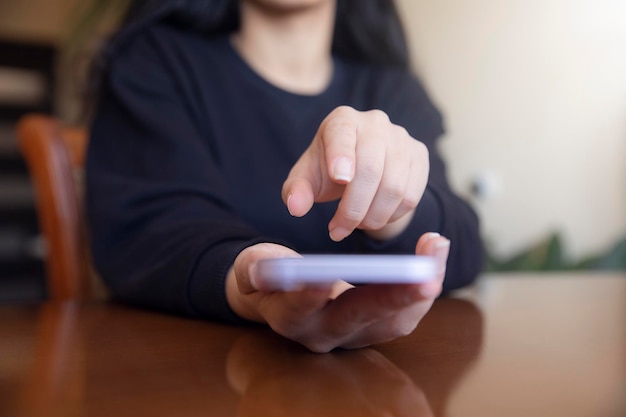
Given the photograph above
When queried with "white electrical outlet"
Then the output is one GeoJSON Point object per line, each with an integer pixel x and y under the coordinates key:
{"type": "Point", "coordinates": [485, 185]}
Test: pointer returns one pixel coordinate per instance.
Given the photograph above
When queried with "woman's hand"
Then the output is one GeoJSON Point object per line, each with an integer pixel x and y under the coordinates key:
{"type": "Point", "coordinates": [324, 318]}
{"type": "Point", "coordinates": [375, 167]}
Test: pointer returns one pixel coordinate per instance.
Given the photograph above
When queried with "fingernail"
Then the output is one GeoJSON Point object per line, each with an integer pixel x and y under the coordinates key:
{"type": "Point", "coordinates": [288, 206]}
{"type": "Point", "coordinates": [343, 169]}
{"type": "Point", "coordinates": [444, 243]}
{"type": "Point", "coordinates": [252, 276]}
{"type": "Point", "coordinates": [338, 233]}
{"type": "Point", "coordinates": [442, 249]}
{"type": "Point", "coordinates": [432, 235]}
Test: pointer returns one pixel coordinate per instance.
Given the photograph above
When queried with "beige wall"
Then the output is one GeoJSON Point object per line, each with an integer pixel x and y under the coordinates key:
{"type": "Point", "coordinates": [534, 94]}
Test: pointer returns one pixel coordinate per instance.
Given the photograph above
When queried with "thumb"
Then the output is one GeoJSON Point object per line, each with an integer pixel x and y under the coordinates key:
{"type": "Point", "coordinates": [432, 244]}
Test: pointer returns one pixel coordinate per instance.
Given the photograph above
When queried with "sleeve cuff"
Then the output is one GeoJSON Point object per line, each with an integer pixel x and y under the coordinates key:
{"type": "Point", "coordinates": [207, 286]}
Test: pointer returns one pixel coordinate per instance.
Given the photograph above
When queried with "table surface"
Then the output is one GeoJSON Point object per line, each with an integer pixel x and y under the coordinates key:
{"type": "Point", "coordinates": [513, 345]}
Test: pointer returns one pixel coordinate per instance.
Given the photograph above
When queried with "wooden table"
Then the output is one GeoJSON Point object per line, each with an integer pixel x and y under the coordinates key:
{"type": "Point", "coordinates": [514, 345]}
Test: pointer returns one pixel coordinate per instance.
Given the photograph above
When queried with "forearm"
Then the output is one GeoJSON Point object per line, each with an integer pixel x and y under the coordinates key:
{"type": "Point", "coordinates": [181, 273]}
{"type": "Point", "coordinates": [169, 253]}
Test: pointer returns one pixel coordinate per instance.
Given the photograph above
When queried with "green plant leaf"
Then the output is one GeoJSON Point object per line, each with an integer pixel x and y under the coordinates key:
{"type": "Point", "coordinates": [548, 255]}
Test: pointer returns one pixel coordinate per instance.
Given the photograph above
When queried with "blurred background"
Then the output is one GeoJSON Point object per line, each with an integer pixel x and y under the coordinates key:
{"type": "Point", "coordinates": [533, 94]}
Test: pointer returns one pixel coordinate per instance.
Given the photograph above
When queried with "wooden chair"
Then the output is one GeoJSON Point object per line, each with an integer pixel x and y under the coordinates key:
{"type": "Point", "coordinates": [55, 155]}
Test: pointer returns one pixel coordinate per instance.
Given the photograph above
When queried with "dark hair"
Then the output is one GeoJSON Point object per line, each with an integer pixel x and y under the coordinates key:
{"type": "Point", "coordinates": [370, 31]}
{"type": "Point", "coordinates": [367, 31]}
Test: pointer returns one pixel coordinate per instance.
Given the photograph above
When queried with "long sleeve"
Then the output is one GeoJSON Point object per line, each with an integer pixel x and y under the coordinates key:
{"type": "Point", "coordinates": [163, 235]}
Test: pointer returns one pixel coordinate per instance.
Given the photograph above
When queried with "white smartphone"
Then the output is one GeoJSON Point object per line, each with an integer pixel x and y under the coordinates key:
{"type": "Point", "coordinates": [288, 274]}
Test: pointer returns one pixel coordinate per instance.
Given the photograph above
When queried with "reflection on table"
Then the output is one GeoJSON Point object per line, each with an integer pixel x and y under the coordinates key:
{"type": "Point", "coordinates": [278, 378]}
{"type": "Point", "coordinates": [514, 345]}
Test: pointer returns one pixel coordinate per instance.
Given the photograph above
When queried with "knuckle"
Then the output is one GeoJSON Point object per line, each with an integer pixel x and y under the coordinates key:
{"type": "Point", "coordinates": [393, 191]}
{"type": "Point", "coordinates": [420, 149]}
{"type": "Point", "coordinates": [402, 132]}
{"type": "Point", "coordinates": [343, 110]}
{"type": "Point", "coordinates": [373, 223]}
{"type": "Point", "coordinates": [340, 116]}
{"type": "Point", "coordinates": [409, 202]}
{"type": "Point", "coordinates": [369, 171]}
{"type": "Point", "coordinates": [354, 215]}
{"type": "Point", "coordinates": [379, 116]}
{"type": "Point", "coordinates": [338, 126]}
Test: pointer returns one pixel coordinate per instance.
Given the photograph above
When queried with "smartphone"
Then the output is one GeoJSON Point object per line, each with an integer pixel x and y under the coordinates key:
{"type": "Point", "coordinates": [288, 274]}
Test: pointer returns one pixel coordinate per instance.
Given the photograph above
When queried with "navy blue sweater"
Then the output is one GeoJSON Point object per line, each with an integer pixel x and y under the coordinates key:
{"type": "Point", "coordinates": [188, 152]}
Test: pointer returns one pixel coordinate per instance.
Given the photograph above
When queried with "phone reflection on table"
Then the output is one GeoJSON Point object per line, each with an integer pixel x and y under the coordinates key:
{"type": "Point", "coordinates": [275, 377]}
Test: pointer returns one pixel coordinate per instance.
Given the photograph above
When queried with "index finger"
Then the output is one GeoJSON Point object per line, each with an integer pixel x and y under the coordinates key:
{"type": "Point", "coordinates": [338, 135]}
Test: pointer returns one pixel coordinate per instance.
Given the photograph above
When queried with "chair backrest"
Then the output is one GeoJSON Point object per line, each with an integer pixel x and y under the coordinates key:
{"type": "Point", "coordinates": [55, 155]}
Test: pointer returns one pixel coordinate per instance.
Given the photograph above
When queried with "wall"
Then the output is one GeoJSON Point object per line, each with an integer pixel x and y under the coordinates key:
{"type": "Point", "coordinates": [534, 94]}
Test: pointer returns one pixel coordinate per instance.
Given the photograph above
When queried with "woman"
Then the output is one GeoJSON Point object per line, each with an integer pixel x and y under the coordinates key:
{"type": "Point", "coordinates": [211, 111]}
